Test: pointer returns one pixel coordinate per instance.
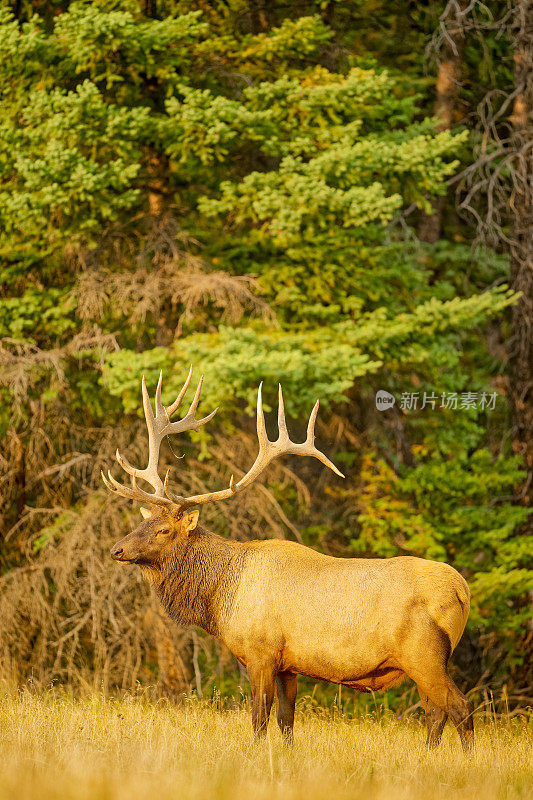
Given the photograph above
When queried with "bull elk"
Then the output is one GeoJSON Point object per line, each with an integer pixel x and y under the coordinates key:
{"type": "Point", "coordinates": [284, 609]}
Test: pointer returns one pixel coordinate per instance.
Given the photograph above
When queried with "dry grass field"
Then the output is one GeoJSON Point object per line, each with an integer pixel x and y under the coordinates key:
{"type": "Point", "coordinates": [55, 747]}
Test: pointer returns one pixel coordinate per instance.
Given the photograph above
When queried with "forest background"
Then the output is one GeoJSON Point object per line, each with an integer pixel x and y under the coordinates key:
{"type": "Point", "coordinates": [334, 195]}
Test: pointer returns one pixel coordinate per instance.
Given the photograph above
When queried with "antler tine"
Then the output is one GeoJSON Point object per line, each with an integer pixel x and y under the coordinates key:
{"type": "Point", "coordinates": [159, 408]}
{"type": "Point", "coordinates": [206, 419]}
{"type": "Point", "coordinates": [142, 493]}
{"type": "Point", "coordinates": [159, 426]}
{"type": "Point", "coordinates": [268, 451]}
{"type": "Point", "coordinates": [325, 460]}
{"type": "Point", "coordinates": [282, 422]}
{"type": "Point", "coordinates": [133, 492]}
{"type": "Point", "coordinates": [174, 498]}
{"type": "Point", "coordinates": [189, 422]}
{"type": "Point", "coordinates": [106, 481]}
{"type": "Point", "coordinates": [310, 438]}
{"type": "Point", "coordinates": [154, 441]}
{"type": "Point", "coordinates": [194, 405]}
{"type": "Point", "coordinates": [175, 405]}
{"type": "Point", "coordinates": [308, 447]}
{"type": "Point", "coordinates": [125, 464]}
{"type": "Point", "coordinates": [260, 422]}
{"type": "Point", "coordinates": [147, 406]}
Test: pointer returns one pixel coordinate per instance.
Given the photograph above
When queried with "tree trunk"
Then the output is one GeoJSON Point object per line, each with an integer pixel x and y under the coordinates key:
{"type": "Point", "coordinates": [16, 8]}
{"type": "Point", "coordinates": [520, 346]}
{"type": "Point", "coordinates": [447, 86]}
{"type": "Point", "coordinates": [260, 16]}
{"type": "Point", "coordinates": [157, 165]}
{"type": "Point", "coordinates": [157, 169]}
{"type": "Point", "coordinates": [150, 8]}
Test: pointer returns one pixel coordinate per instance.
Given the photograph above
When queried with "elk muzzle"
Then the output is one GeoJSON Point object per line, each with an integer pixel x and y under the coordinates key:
{"type": "Point", "coordinates": [121, 553]}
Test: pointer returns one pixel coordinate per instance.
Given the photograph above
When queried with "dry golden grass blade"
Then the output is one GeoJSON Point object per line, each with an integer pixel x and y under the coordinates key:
{"type": "Point", "coordinates": [55, 747]}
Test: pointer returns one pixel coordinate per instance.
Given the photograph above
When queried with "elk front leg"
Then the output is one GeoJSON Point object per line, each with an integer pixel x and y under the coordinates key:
{"type": "Point", "coordinates": [262, 677]}
{"type": "Point", "coordinates": [286, 685]}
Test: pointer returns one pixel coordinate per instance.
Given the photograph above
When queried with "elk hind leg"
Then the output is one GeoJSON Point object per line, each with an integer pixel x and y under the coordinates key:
{"type": "Point", "coordinates": [286, 685]}
{"type": "Point", "coordinates": [435, 720]}
{"type": "Point", "coordinates": [426, 655]}
{"type": "Point", "coordinates": [445, 694]}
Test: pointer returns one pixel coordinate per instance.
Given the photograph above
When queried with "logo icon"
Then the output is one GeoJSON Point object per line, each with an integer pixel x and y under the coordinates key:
{"type": "Point", "coordinates": [384, 400]}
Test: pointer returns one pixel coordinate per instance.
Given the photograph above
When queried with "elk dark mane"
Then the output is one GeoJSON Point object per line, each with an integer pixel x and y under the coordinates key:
{"type": "Point", "coordinates": [196, 584]}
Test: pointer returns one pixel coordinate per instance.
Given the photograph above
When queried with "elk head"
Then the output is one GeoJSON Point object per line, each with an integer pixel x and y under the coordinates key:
{"type": "Point", "coordinates": [170, 516]}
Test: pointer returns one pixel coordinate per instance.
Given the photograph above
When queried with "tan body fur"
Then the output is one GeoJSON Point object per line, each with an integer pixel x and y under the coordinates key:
{"type": "Point", "coordinates": [347, 621]}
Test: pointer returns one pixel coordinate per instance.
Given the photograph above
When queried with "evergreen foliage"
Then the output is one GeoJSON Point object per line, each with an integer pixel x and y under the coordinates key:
{"type": "Point", "coordinates": [179, 190]}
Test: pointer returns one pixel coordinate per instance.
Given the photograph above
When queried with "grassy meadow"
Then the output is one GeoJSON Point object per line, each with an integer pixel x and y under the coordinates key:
{"type": "Point", "coordinates": [73, 749]}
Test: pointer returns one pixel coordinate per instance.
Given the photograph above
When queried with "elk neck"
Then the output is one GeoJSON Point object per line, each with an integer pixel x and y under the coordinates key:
{"type": "Point", "coordinates": [196, 585]}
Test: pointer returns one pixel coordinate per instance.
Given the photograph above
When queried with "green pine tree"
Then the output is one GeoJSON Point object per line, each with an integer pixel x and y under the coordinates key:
{"type": "Point", "coordinates": [176, 189]}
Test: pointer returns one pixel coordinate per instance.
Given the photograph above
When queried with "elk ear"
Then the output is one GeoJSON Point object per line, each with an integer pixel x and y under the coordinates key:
{"type": "Point", "coordinates": [190, 520]}
{"type": "Point", "coordinates": [145, 512]}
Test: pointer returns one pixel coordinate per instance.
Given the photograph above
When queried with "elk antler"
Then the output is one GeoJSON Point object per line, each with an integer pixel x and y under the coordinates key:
{"type": "Point", "coordinates": [159, 425]}
{"type": "Point", "coordinates": [268, 451]}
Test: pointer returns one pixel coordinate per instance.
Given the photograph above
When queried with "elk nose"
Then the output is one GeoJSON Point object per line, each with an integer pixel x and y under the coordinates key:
{"type": "Point", "coordinates": [116, 552]}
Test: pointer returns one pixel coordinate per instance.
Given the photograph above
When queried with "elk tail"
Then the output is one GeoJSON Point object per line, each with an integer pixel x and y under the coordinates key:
{"type": "Point", "coordinates": [463, 595]}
